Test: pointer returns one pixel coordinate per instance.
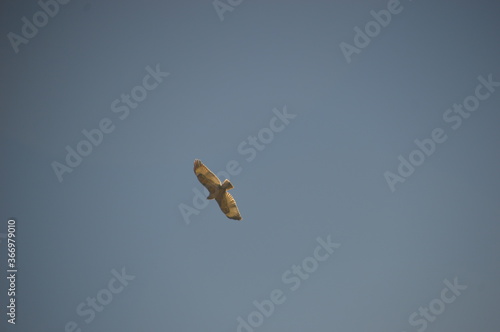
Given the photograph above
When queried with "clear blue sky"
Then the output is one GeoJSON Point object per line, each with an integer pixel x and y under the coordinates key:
{"type": "Point", "coordinates": [105, 106]}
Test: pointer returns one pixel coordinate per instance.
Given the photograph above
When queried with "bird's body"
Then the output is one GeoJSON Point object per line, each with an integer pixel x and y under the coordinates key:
{"type": "Point", "coordinates": [217, 190]}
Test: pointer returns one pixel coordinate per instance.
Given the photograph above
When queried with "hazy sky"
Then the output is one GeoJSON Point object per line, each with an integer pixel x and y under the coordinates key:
{"type": "Point", "coordinates": [361, 139]}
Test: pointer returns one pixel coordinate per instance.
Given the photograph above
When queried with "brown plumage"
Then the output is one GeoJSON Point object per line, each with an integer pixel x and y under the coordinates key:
{"type": "Point", "coordinates": [217, 190]}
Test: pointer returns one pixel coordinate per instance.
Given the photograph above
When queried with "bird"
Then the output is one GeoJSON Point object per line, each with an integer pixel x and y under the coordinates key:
{"type": "Point", "coordinates": [217, 190]}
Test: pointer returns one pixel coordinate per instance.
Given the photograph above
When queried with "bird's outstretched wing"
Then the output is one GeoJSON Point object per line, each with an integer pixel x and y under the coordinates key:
{"type": "Point", "coordinates": [228, 205]}
{"type": "Point", "coordinates": [206, 177]}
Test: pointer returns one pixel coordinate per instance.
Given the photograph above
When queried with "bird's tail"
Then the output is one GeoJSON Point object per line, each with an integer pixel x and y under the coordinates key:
{"type": "Point", "coordinates": [227, 185]}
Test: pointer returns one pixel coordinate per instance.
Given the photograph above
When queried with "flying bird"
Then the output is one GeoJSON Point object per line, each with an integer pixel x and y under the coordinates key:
{"type": "Point", "coordinates": [217, 190]}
